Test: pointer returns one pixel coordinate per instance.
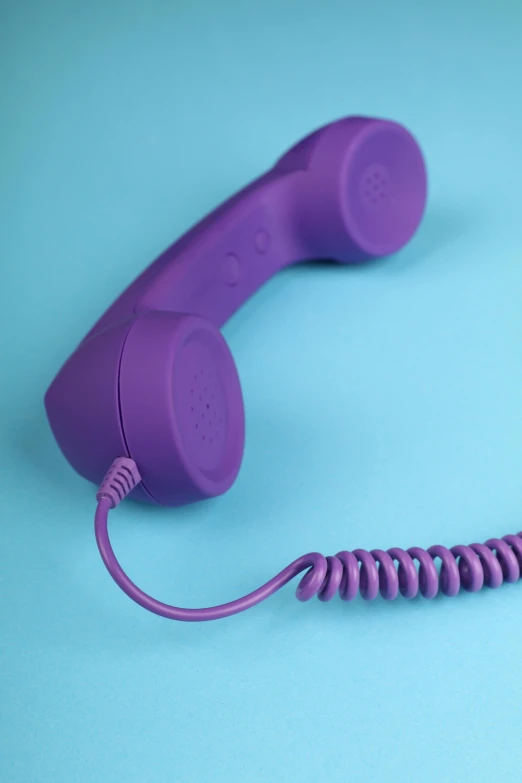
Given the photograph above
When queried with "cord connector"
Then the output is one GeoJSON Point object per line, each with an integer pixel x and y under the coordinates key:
{"type": "Point", "coordinates": [121, 478]}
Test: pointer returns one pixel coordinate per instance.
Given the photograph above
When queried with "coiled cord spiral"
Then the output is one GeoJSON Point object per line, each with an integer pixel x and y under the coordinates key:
{"type": "Point", "coordinates": [393, 571]}
{"type": "Point", "coordinates": [360, 572]}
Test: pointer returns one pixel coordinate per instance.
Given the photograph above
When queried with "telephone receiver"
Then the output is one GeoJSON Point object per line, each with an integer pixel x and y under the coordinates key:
{"type": "Point", "coordinates": [154, 380]}
{"type": "Point", "coordinates": [153, 392]}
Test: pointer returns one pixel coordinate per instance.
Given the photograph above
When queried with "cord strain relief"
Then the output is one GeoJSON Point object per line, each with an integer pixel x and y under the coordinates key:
{"type": "Point", "coordinates": [120, 480]}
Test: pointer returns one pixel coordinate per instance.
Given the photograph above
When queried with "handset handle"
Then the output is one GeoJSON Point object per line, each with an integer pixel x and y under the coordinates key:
{"type": "Point", "coordinates": [352, 190]}
{"type": "Point", "coordinates": [220, 262]}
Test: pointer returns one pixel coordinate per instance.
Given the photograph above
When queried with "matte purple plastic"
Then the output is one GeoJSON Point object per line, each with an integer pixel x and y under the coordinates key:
{"type": "Point", "coordinates": [181, 407]}
{"type": "Point", "coordinates": [154, 381]}
{"type": "Point", "coordinates": [369, 574]}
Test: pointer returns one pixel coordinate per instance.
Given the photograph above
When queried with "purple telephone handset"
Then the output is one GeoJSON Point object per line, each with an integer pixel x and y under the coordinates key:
{"type": "Point", "coordinates": [153, 388]}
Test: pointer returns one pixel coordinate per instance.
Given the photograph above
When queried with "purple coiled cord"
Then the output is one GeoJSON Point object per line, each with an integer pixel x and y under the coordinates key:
{"type": "Point", "coordinates": [378, 572]}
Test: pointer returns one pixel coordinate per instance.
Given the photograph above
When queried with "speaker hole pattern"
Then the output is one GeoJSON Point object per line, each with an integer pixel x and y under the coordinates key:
{"type": "Point", "coordinates": [206, 407]}
{"type": "Point", "coordinates": [375, 187]}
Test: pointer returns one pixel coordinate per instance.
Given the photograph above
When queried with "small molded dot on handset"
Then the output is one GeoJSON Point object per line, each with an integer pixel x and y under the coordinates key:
{"type": "Point", "coordinates": [262, 241]}
{"type": "Point", "coordinates": [231, 269]}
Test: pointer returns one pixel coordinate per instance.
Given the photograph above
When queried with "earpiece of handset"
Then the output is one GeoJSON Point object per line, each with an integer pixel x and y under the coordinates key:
{"type": "Point", "coordinates": [161, 388]}
{"type": "Point", "coordinates": [363, 191]}
{"type": "Point", "coordinates": [154, 380]}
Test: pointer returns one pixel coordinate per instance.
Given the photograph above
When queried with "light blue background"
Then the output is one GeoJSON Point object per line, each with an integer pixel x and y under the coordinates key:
{"type": "Point", "coordinates": [384, 403]}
